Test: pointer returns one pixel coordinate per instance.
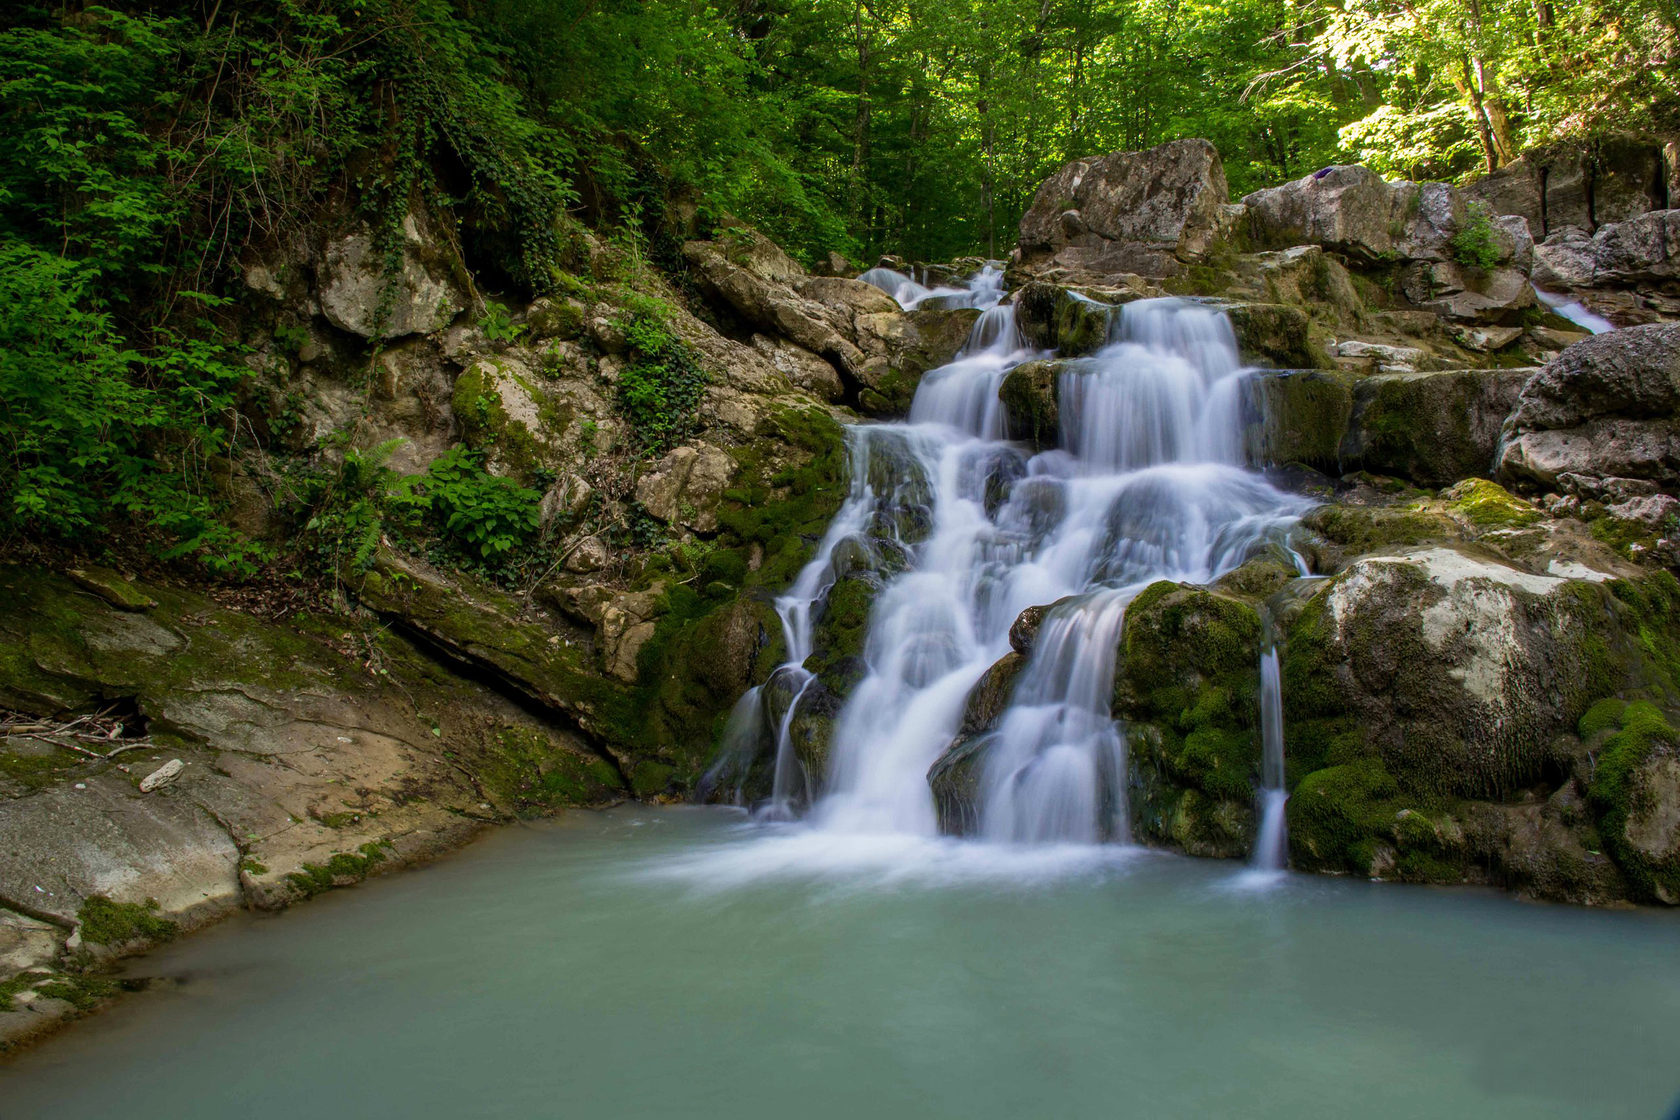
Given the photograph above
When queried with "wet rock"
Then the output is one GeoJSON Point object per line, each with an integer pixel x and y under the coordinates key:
{"type": "Point", "coordinates": [1144, 212]}
{"type": "Point", "coordinates": [1071, 321]}
{"type": "Point", "coordinates": [1275, 335]}
{"type": "Point", "coordinates": [990, 696]}
{"type": "Point", "coordinates": [1023, 632]}
{"type": "Point", "coordinates": [358, 295]}
{"type": "Point", "coordinates": [955, 780]}
{"type": "Point", "coordinates": [1604, 407]}
{"type": "Point", "coordinates": [1029, 393]}
{"type": "Point", "coordinates": [1186, 683]}
{"type": "Point", "coordinates": [1433, 428]}
{"type": "Point", "coordinates": [1299, 416]}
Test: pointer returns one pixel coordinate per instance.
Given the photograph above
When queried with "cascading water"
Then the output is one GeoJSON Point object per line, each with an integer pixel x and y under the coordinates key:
{"type": "Point", "coordinates": [1149, 484]}
{"type": "Point", "coordinates": [1575, 311]}
{"type": "Point", "coordinates": [1271, 844]}
{"type": "Point", "coordinates": [984, 289]}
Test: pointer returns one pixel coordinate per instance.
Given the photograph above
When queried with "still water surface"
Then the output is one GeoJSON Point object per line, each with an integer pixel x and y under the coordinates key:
{"type": "Point", "coordinates": [673, 963]}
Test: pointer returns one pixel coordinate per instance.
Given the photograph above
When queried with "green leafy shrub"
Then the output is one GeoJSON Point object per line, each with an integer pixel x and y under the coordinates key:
{"type": "Point", "coordinates": [95, 428]}
{"type": "Point", "coordinates": [498, 325]}
{"type": "Point", "coordinates": [1476, 244]}
{"type": "Point", "coordinates": [349, 508]}
{"type": "Point", "coordinates": [484, 514]}
{"type": "Point", "coordinates": [659, 392]}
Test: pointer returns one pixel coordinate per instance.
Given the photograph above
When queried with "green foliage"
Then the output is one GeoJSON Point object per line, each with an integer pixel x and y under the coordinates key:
{"type": "Point", "coordinates": [660, 391]}
{"type": "Point", "coordinates": [94, 428]}
{"type": "Point", "coordinates": [498, 325]}
{"type": "Point", "coordinates": [479, 515]}
{"type": "Point", "coordinates": [483, 514]}
{"type": "Point", "coordinates": [104, 922]}
{"type": "Point", "coordinates": [348, 509]}
{"type": "Point", "coordinates": [1476, 244]}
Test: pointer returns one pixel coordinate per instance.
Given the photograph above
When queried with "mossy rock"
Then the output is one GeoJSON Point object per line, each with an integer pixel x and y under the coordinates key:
{"type": "Point", "coordinates": [1358, 530]}
{"type": "Point", "coordinates": [1300, 416]}
{"type": "Point", "coordinates": [1635, 793]}
{"type": "Point", "coordinates": [842, 626]}
{"type": "Point", "coordinates": [1030, 394]}
{"type": "Point", "coordinates": [1356, 818]}
{"type": "Point", "coordinates": [529, 771]}
{"type": "Point", "coordinates": [1276, 335]}
{"type": "Point", "coordinates": [1434, 428]}
{"type": "Point", "coordinates": [1187, 684]}
{"type": "Point", "coordinates": [1067, 321]}
{"type": "Point", "coordinates": [1485, 505]}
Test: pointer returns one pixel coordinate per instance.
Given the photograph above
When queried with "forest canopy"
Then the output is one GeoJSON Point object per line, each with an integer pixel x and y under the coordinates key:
{"type": "Point", "coordinates": [146, 147]}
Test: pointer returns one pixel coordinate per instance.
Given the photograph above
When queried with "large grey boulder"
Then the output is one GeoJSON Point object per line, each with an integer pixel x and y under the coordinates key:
{"type": "Point", "coordinates": [1147, 212]}
{"type": "Point", "coordinates": [362, 293]}
{"type": "Point", "coordinates": [1604, 408]}
{"type": "Point", "coordinates": [877, 350]}
{"type": "Point", "coordinates": [1353, 211]}
{"type": "Point", "coordinates": [1644, 250]}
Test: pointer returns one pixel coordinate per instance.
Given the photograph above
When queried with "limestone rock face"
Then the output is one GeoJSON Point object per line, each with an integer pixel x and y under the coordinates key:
{"type": "Point", "coordinates": [292, 766]}
{"type": "Point", "coordinates": [1577, 186]}
{"type": "Point", "coordinates": [684, 487]}
{"type": "Point", "coordinates": [1353, 211]}
{"type": "Point", "coordinates": [1605, 407]}
{"type": "Point", "coordinates": [1641, 251]}
{"type": "Point", "coordinates": [1144, 212]}
{"type": "Point", "coordinates": [1434, 427]}
{"type": "Point", "coordinates": [421, 298]}
{"type": "Point", "coordinates": [873, 347]}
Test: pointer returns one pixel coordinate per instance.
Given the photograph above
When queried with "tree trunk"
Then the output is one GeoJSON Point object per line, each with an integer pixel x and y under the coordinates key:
{"type": "Point", "coordinates": [1468, 90]}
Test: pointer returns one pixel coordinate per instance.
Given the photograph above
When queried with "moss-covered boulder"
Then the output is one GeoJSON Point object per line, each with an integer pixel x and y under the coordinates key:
{"type": "Point", "coordinates": [842, 625]}
{"type": "Point", "coordinates": [1457, 671]}
{"type": "Point", "coordinates": [1187, 686]}
{"type": "Point", "coordinates": [1070, 321]}
{"type": "Point", "coordinates": [500, 406]}
{"type": "Point", "coordinates": [1434, 428]}
{"type": "Point", "coordinates": [1299, 416]}
{"type": "Point", "coordinates": [1441, 724]}
{"type": "Point", "coordinates": [1276, 335]}
{"type": "Point", "coordinates": [1029, 394]}
{"type": "Point", "coordinates": [1635, 793]}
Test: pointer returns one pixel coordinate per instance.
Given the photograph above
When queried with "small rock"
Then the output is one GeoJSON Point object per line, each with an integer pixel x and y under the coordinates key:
{"type": "Point", "coordinates": [1653, 510]}
{"type": "Point", "coordinates": [1487, 339]}
{"type": "Point", "coordinates": [162, 776]}
{"type": "Point", "coordinates": [588, 555]}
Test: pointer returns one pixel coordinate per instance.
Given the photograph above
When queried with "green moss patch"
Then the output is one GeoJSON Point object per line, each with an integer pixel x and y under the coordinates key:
{"type": "Point", "coordinates": [104, 922]}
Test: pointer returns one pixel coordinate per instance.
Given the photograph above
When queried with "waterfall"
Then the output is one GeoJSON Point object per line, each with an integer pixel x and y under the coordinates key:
{"type": "Point", "coordinates": [1271, 843]}
{"type": "Point", "coordinates": [1149, 483]}
{"type": "Point", "coordinates": [1575, 311]}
